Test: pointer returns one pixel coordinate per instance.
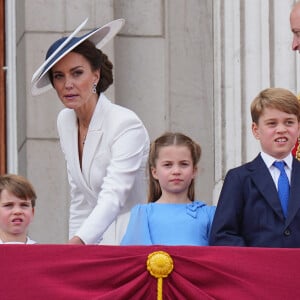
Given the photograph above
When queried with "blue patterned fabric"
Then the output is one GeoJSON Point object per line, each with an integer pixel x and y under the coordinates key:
{"type": "Point", "coordinates": [283, 186]}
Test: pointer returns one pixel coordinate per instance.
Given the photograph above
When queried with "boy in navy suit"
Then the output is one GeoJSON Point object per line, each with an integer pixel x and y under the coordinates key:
{"type": "Point", "coordinates": [249, 211]}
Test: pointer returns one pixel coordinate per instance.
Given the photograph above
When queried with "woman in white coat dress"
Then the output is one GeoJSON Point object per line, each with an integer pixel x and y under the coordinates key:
{"type": "Point", "coordinates": [105, 145]}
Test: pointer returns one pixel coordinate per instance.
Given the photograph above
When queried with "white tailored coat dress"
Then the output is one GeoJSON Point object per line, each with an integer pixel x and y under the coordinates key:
{"type": "Point", "coordinates": [113, 175]}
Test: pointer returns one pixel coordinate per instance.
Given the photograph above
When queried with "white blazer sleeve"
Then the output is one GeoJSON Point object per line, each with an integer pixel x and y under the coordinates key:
{"type": "Point", "coordinates": [127, 156]}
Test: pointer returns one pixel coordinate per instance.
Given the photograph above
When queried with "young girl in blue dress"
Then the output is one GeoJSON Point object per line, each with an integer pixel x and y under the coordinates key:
{"type": "Point", "coordinates": [172, 216]}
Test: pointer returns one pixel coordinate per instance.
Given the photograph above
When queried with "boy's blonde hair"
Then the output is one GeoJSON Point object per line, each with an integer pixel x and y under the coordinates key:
{"type": "Point", "coordinates": [18, 186]}
{"type": "Point", "coordinates": [169, 139]}
{"type": "Point", "coordinates": [278, 98]}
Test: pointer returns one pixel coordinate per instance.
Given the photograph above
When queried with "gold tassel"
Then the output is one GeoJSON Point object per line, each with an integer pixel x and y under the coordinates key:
{"type": "Point", "coordinates": [159, 265]}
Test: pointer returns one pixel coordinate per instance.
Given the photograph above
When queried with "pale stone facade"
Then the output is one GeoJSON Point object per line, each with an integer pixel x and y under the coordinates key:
{"type": "Point", "coordinates": [183, 65]}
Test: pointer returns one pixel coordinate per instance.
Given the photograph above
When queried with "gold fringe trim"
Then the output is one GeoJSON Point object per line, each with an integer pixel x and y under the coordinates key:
{"type": "Point", "coordinates": [298, 150]}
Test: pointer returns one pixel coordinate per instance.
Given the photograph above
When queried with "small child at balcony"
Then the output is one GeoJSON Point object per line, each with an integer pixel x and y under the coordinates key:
{"type": "Point", "coordinates": [17, 201]}
{"type": "Point", "coordinates": [172, 216]}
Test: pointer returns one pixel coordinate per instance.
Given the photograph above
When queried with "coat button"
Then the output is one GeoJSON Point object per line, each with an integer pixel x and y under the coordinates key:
{"type": "Point", "coordinates": [287, 232]}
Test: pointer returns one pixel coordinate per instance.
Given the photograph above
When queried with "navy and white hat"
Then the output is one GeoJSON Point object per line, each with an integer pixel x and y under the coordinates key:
{"type": "Point", "coordinates": [40, 81]}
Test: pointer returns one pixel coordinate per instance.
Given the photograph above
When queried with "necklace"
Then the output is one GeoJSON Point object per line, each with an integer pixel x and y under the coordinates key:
{"type": "Point", "coordinates": [82, 134]}
{"type": "Point", "coordinates": [84, 138]}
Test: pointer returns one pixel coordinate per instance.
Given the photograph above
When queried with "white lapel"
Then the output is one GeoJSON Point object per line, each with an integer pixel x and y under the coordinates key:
{"type": "Point", "coordinates": [94, 135]}
{"type": "Point", "coordinates": [70, 142]}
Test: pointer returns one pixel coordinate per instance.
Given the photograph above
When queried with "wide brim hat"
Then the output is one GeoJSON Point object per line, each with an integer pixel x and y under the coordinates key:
{"type": "Point", "coordinates": [100, 36]}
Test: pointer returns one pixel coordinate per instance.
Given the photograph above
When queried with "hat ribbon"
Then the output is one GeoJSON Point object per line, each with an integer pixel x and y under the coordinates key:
{"type": "Point", "coordinates": [41, 68]}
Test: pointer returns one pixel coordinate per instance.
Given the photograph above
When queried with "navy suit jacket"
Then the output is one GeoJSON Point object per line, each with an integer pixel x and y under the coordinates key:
{"type": "Point", "coordinates": [249, 211]}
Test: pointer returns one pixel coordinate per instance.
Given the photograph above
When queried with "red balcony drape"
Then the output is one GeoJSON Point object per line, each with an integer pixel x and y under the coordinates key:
{"type": "Point", "coordinates": [119, 272]}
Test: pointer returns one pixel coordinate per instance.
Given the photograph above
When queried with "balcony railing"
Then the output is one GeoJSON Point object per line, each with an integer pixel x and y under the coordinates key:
{"type": "Point", "coordinates": [66, 272]}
